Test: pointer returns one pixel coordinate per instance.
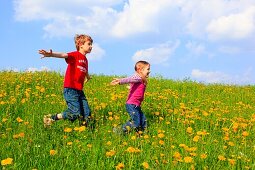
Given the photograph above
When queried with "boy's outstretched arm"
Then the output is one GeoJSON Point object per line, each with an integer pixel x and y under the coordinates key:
{"type": "Point", "coordinates": [52, 54]}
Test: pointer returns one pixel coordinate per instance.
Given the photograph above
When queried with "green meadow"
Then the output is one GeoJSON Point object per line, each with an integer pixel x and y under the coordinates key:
{"type": "Point", "coordinates": [190, 126]}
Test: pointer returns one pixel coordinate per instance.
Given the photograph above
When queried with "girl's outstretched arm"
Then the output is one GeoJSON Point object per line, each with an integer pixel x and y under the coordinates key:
{"type": "Point", "coordinates": [52, 54]}
{"type": "Point", "coordinates": [115, 81]}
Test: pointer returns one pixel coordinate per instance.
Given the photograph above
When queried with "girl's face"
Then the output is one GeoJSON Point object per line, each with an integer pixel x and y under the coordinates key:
{"type": "Point", "coordinates": [145, 71]}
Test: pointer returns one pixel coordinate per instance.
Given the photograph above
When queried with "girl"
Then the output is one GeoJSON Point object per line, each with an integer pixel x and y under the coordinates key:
{"type": "Point", "coordinates": [138, 83]}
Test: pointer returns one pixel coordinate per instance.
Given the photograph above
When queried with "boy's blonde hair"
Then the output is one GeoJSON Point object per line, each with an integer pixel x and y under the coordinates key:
{"type": "Point", "coordinates": [140, 64]}
{"type": "Point", "coordinates": [80, 39]}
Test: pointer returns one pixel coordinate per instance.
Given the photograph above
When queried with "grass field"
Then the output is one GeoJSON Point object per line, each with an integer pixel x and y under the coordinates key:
{"type": "Point", "coordinates": [190, 126]}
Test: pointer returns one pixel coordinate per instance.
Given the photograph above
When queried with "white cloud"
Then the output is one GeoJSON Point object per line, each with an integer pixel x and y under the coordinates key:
{"type": "Point", "coordinates": [34, 69]}
{"type": "Point", "coordinates": [233, 26]}
{"type": "Point", "coordinates": [195, 48]}
{"type": "Point", "coordinates": [96, 54]}
{"type": "Point", "coordinates": [158, 54]}
{"type": "Point", "coordinates": [220, 77]}
{"type": "Point", "coordinates": [216, 19]}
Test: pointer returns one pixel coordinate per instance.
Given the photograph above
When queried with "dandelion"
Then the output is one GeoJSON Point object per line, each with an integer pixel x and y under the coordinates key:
{"type": "Point", "coordinates": [221, 158]}
{"type": "Point", "coordinates": [145, 165]}
{"type": "Point", "coordinates": [109, 143]}
{"type": "Point", "coordinates": [82, 128]}
{"type": "Point", "coordinates": [133, 150]}
{"type": "Point", "coordinates": [189, 130]}
{"type": "Point", "coordinates": [231, 161]}
{"type": "Point", "coordinates": [177, 155]}
{"type": "Point", "coordinates": [146, 137]}
{"type": "Point", "coordinates": [4, 119]}
{"type": "Point", "coordinates": [53, 152]}
{"type": "Point", "coordinates": [188, 159]}
{"type": "Point", "coordinates": [110, 153]}
{"type": "Point", "coordinates": [196, 138]}
{"type": "Point", "coordinates": [203, 156]}
{"type": "Point", "coordinates": [19, 120]}
{"type": "Point", "coordinates": [68, 130]}
{"type": "Point", "coordinates": [89, 145]}
{"type": "Point", "coordinates": [161, 135]}
{"type": "Point", "coordinates": [161, 142]}
{"type": "Point", "coordinates": [7, 161]}
{"type": "Point", "coordinates": [120, 166]}
{"type": "Point", "coordinates": [245, 133]}
{"type": "Point", "coordinates": [69, 143]}
{"type": "Point", "coordinates": [231, 144]}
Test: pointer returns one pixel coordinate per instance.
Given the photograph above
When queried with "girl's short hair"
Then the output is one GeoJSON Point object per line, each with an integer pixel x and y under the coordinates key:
{"type": "Point", "coordinates": [140, 64]}
{"type": "Point", "coordinates": [80, 39]}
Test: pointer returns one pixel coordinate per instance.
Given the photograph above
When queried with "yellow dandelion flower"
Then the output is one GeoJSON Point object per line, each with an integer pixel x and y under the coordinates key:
{"type": "Point", "coordinates": [76, 128]}
{"type": "Point", "coordinates": [177, 155]}
{"type": "Point", "coordinates": [16, 136]}
{"type": "Point", "coordinates": [68, 130]}
{"type": "Point", "coordinates": [7, 161]}
{"type": "Point", "coordinates": [82, 128]}
{"type": "Point", "coordinates": [133, 150]}
{"type": "Point", "coordinates": [231, 161]}
{"type": "Point", "coordinates": [110, 153]}
{"type": "Point", "coordinates": [203, 156]}
{"type": "Point", "coordinates": [120, 166]}
{"type": "Point", "coordinates": [69, 143]}
{"type": "Point", "coordinates": [19, 120]}
{"type": "Point", "coordinates": [109, 143]}
{"type": "Point", "coordinates": [146, 137]}
{"type": "Point", "coordinates": [231, 144]}
{"type": "Point", "coordinates": [245, 133]}
{"type": "Point", "coordinates": [161, 142]}
{"type": "Point", "coordinates": [4, 119]}
{"type": "Point", "coordinates": [196, 138]}
{"type": "Point", "coordinates": [156, 113]}
{"type": "Point", "coordinates": [221, 158]}
{"type": "Point", "coordinates": [145, 165]}
{"type": "Point", "coordinates": [110, 118]}
{"type": "Point", "coordinates": [89, 145]}
{"type": "Point", "coordinates": [133, 137]}
{"type": "Point", "coordinates": [110, 113]}
{"type": "Point", "coordinates": [42, 90]}
{"type": "Point", "coordinates": [53, 152]}
{"type": "Point", "coordinates": [189, 130]}
{"type": "Point", "coordinates": [21, 135]}
{"type": "Point", "coordinates": [188, 159]}
{"type": "Point", "coordinates": [161, 135]}
{"type": "Point", "coordinates": [182, 145]}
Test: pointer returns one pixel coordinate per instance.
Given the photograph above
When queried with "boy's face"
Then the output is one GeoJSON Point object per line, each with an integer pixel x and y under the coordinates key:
{"type": "Point", "coordinates": [86, 47]}
{"type": "Point", "coordinates": [145, 71]}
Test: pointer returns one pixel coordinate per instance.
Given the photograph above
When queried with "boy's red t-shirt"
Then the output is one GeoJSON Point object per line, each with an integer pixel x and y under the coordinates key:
{"type": "Point", "coordinates": [76, 70]}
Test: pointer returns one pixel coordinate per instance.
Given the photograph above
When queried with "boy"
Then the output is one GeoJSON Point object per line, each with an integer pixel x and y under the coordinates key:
{"type": "Point", "coordinates": [75, 76]}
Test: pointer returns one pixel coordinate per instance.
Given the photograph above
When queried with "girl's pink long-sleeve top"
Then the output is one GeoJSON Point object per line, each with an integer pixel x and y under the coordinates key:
{"type": "Point", "coordinates": [137, 89]}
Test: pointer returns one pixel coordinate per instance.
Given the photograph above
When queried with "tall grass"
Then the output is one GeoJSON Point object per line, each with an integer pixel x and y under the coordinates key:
{"type": "Point", "coordinates": [190, 126]}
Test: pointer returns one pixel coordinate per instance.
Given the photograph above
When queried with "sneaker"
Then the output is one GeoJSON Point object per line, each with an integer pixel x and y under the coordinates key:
{"type": "Point", "coordinates": [47, 120]}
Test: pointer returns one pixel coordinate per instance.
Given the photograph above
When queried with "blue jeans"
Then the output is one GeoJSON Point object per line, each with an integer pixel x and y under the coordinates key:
{"type": "Point", "coordinates": [77, 105]}
{"type": "Point", "coordinates": [137, 118]}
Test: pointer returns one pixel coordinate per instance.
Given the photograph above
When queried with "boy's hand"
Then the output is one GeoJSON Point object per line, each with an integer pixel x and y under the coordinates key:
{"type": "Point", "coordinates": [45, 53]}
{"type": "Point", "coordinates": [87, 78]}
{"type": "Point", "coordinates": [115, 81]}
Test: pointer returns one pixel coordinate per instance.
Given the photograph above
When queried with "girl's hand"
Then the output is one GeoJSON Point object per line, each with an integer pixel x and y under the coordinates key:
{"type": "Point", "coordinates": [115, 81]}
{"type": "Point", "coordinates": [45, 53]}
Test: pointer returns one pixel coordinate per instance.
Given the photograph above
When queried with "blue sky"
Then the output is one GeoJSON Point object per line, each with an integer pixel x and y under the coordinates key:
{"type": "Point", "coordinates": [208, 41]}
